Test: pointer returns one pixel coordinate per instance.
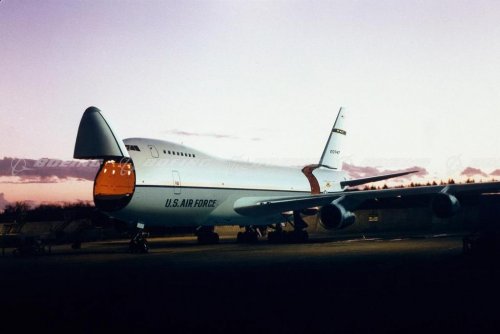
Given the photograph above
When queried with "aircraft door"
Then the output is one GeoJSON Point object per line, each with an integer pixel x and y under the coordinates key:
{"type": "Point", "coordinates": [177, 182]}
{"type": "Point", "coordinates": [153, 151]}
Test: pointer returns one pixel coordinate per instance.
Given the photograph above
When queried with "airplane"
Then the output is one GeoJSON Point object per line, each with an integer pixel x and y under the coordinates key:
{"type": "Point", "coordinates": [150, 182]}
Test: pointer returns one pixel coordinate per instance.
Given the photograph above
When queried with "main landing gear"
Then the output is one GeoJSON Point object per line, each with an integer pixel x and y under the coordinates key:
{"type": "Point", "coordinates": [206, 235]}
{"type": "Point", "coordinates": [251, 234]}
{"type": "Point", "coordinates": [298, 235]}
{"type": "Point", "coordinates": [139, 243]}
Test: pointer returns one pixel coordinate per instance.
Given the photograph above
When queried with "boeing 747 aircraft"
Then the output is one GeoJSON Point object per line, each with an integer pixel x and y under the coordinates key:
{"type": "Point", "coordinates": [150, 182]}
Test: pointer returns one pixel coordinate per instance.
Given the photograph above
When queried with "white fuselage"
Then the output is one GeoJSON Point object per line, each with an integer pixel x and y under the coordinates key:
{"type": "Point", "coordinates": [180, 186]}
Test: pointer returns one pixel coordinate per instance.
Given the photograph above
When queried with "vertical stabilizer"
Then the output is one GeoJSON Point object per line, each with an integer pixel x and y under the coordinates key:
{"type": "Point", "coordinates": [332, 154]}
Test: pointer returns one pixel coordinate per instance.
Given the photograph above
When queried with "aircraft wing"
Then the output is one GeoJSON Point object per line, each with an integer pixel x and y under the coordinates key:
{"type": "Point", "coordinates": [262, 206]}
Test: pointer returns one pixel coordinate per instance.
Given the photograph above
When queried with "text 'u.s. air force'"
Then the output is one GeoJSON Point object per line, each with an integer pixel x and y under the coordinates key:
{"type": "Point", "coordinates": [190, 203]}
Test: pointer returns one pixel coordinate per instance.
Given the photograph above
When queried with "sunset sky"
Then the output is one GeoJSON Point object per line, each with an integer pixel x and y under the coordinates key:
{"type": "Point", "coordinates": [254, 80]}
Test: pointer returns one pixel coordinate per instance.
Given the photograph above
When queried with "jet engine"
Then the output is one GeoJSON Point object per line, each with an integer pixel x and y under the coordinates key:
{"type": "Point", "coordinates": [445, 205]}
{"type": "Point", "coordinates": [335, 217]}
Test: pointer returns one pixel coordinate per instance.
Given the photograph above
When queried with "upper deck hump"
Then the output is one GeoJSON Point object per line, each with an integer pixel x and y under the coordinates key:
{"type": "Point", "coordinates": [163, 148]}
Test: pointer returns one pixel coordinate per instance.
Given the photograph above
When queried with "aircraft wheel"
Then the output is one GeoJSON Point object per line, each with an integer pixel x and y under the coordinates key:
{"type": "Point", "coordinates": [466, 246]}
{"type": "Point", "coordinates": [288, 237]}
{"type": "Point", "coordinates": [138, 247]}
{"type": "Point", "coordinates": [240, 237]}
{"type": "Point", "coordinates": [247, 237]}
{"type": "Point", "coordinates": [132, 247]}
{"type": "Point", "coordinates": [275, 237]}
{"type": "Point", "coordinates": [208, 238]}
{"type": "Point", "coordinates": [144, 247]}
{"type": "Point", "coordinates": [300, 236]}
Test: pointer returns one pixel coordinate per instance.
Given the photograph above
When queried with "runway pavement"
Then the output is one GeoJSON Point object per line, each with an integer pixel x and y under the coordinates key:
{"type": "Point", "coordinates": [326, 285]}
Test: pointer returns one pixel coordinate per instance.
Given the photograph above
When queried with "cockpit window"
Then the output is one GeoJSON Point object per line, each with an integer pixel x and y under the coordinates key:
{"type": "Point", "coordinates": [132, 148]}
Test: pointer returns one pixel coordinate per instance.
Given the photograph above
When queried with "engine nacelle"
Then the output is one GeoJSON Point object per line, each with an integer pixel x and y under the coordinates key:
{"type": "Point", "coordinates": [335, 217]}
{"type": "Point", "coordinates": [445, 205]}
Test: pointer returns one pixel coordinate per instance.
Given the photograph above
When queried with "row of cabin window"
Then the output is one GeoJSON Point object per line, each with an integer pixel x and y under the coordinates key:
{"type": "Point", "coordinates": [136, 148]}
{"type": "Point", "coordinates": [180, 153]}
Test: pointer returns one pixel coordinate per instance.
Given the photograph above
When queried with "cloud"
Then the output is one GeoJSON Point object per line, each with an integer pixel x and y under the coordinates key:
{"type": "Point", "coordinates": [419, 172]}
{"type": "Point", "coordinates": [14, 170]}
{"type": "Point", "coordinates": [495, 172]}
{"type": "Point", "coordinates": [358, 172]}
{"type": "Point", "coordinates": [200, 134]}
{"type": "Point", "coordinates": [471, 172]}
{"type": "Point", "coordinates": [3, 202]}
{"type": "Point", "coordinates": [206, 134]}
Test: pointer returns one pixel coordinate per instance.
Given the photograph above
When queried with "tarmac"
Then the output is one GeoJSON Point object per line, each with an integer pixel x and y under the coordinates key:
{"type": "Point", "coordinates": [390, 285]}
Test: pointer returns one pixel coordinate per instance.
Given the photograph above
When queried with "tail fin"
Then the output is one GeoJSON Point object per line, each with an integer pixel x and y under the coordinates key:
{"type": "Point", "coordinates": [332, 154]}
{"type": "Point", "coordinates": [96, 139]}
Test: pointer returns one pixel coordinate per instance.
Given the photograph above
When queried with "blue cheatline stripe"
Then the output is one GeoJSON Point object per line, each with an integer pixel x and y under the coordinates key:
{"type": "Point", "coordinates": [217, 188]}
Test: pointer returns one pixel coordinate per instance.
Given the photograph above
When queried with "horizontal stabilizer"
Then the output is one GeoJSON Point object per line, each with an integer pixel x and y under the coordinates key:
{"type": "Point", "coordinates": [358, 182]}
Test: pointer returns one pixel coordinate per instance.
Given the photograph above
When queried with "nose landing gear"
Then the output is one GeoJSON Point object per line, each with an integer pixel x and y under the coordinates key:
{"type": "Point", "coordinates": [139, 243]}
